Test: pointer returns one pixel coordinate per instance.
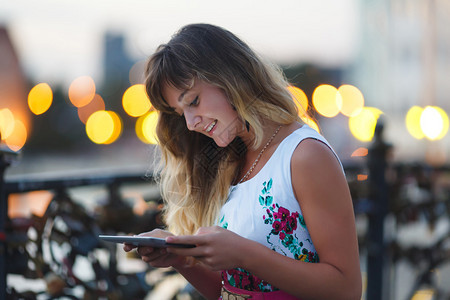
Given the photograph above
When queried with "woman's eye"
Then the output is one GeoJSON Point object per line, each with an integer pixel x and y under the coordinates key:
{"type": "Point", "coordinates": [194, 102]}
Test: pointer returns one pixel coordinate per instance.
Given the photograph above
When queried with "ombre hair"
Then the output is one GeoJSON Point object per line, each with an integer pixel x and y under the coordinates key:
{"type": "Point", "coordinates": [195, 174]}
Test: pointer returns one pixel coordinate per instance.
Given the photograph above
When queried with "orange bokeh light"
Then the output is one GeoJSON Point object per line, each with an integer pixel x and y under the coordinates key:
{"type": "Point", "coordinates": [6, 123]}
{"type": "Point", "coordinates": [95, 105]}
{"type": "Point", "coordinates": [18, 136]}
{"type": "Point", "coordinates": [300, 99]}
{"type": "Point", "coordinates": [362, 177]}
{"type": "Point", "coordinates": [82, 91]}
{"type": "Point", "coordinates": [26, 204]}
{"type": "Point", "coordinates": [361, 151]}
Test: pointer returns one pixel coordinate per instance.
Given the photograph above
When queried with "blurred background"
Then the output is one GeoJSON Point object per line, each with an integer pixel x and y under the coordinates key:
{"type": "Point", "coordinates": [75, 121]}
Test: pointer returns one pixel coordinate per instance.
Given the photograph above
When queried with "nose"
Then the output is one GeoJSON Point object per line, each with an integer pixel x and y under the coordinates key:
{"type": "Point", "coordinates": [192, 120]}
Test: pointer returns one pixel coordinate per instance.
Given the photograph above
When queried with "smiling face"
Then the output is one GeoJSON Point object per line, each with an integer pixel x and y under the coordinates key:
{"type": "Point", "coordinates": [206, 110]}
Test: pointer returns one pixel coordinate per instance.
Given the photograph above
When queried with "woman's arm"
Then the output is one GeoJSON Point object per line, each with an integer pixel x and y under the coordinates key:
{"type": "Point", "coordinates": [205, 280]}
{"type": "Point", "coordinates": [322, 191]}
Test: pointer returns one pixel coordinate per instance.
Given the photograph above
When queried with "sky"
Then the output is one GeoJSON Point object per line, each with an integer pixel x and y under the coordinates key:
{"type": "Point", "coordinates": [59, 40]}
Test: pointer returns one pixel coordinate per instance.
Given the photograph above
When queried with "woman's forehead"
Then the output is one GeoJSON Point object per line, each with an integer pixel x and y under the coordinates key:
{"type": "Point", "coordinates": [173, 95]}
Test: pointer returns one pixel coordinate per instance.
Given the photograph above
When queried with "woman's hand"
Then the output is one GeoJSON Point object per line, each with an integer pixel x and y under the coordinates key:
{"type": "Point", "coordinates": [157, 257]}
{"type": "Point", "coordinates": [216, 247]}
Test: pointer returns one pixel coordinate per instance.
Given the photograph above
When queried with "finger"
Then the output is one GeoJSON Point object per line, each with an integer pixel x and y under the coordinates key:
{"type": "Point", "coordinates": [156, 257]}
{"type": "Point", "coordinates": [197, 251]}
{"type": "Point", "coordinates": [128, 247]}
{"type": "Point", "coordinates": [186, 239]}
{"type": "Point", "coordinates": [156, 233]}
{"type": "Point", "coordinates": [153, 254]}
{"type": "Point", "coordinates": [144, 251]}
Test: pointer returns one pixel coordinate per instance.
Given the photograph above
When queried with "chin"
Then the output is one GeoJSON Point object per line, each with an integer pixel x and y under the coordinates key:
{"type": "Point", "coordinates": [221, 143]}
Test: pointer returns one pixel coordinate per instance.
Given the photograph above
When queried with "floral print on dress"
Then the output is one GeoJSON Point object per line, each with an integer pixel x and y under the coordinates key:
{"type": "Point", "coordinates": [242, 279]}
{"type": "Point", "coordinates": [284, 223]}
{"type": "Point", "coordinates": [281, 236]}
{"type": "Point", "coordinates": [223, 223]}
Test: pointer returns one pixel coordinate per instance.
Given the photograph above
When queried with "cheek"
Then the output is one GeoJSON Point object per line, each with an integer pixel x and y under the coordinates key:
{"type": "Point", "coordinates": [222, 103]}
{"type": "Point", "coordinates": [233, 121]}
{"type": "Point", "coordinates": [227, 134]}
{"type": "Point", "coordinates": [227, 111]}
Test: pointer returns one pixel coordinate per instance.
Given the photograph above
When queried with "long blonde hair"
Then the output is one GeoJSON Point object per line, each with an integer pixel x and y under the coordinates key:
{"type": "Point", "coordinates": [195, 174]}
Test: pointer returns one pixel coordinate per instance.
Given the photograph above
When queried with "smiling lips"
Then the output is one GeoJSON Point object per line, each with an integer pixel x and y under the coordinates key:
{"type": "Point", "coordinates": [211, 126]}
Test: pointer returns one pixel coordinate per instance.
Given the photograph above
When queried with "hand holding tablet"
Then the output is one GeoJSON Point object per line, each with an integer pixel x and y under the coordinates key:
{"type": "Point", "coordinates": [142, 241]}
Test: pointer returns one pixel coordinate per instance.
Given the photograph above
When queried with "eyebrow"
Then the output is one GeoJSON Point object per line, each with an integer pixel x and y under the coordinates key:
{"type": "Point", "coordinates": [180, 98]}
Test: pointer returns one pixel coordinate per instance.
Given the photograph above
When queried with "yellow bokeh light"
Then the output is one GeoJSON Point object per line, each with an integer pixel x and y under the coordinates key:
{"type": "Point", "coordinates": [311, 123]}
{"type": "Point", "coordinates": [300, 100]}
{"type": "Point", "coordinates": [424, 294]}
{"type": "Point", "coordinates": [103, 127]}
{"type": "Point", "coordinates": [326, 100]}
{"type": "Point", "coordinates": [352, 100]}
{"type": "Point", "coordinates": [434, 122]}
{"type": "Point", "coordinates": [117, 129]}
{"type": "Point", "coordinates": [6, 123]}
{"type": "Point", "coordinates": [362, 126]}
{"type": "Point", "coordinates": [135, 101]}
{"type": "Point", "coordinates": [95, 105]}
{"type": "Point", "coordinates": [82, 91]}
{"type": "Point", "coordinates": [139, 131]}
{"type": "Point", "coordinates": [149, 127]}
{"type": "Point", "coordinates": [146, 127]}
{"type": "Point", "coordinates": [412, 121]}
{"type": "Point", "coordinates": [18, 137]}
{"type": "Point", "coordinates": [40, 98]}
{"type": "Point", "coordinates": [445, 122]}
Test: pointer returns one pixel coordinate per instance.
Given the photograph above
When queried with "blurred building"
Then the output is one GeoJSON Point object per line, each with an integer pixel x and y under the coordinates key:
{"type": "Point", "coordinates": [404, 60]}
{"type": "Point", "coordinates": [116, 60]}
{"type": "Point", "coordinates": [13, 87]}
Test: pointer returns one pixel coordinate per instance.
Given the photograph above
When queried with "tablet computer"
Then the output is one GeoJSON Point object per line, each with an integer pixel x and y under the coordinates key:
{"type": "Point", "coordinates": [142, 241]}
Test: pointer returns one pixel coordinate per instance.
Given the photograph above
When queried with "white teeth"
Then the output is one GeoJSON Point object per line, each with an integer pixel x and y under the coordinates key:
{"type": "Point", "coordinates": [211, 126]}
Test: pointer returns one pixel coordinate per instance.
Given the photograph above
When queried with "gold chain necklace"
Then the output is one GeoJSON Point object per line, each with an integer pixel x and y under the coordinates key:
{"type": "Point", "coordinates": [259, 155]}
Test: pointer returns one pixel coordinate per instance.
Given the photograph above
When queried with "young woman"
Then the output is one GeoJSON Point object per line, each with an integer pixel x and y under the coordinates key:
{"type": "Point", "coordinates": [261, 195]}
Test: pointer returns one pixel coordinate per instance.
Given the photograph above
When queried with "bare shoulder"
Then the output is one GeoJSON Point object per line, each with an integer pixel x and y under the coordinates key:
{"type": "Point", "coordinates": [317, 176]}
{"type": "Point", "coordinates": [312, 154]}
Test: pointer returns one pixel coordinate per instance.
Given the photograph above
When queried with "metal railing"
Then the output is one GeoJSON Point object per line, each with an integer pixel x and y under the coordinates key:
{"type": "Point", "coordinates": [377, 197]}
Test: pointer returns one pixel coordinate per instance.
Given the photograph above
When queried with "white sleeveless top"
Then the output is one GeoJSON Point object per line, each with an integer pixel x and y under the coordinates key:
{"type": "Point", "coordinates": [264, 209]}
